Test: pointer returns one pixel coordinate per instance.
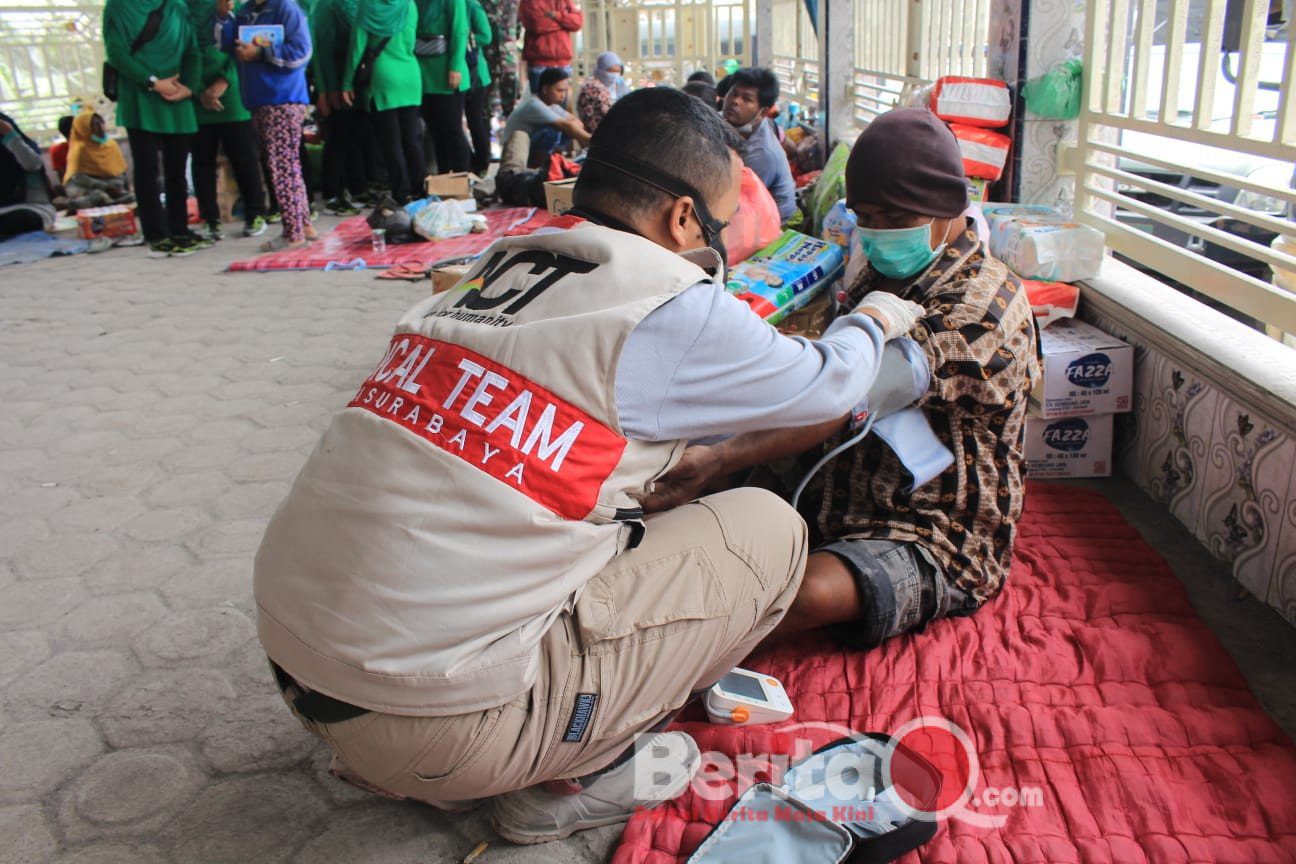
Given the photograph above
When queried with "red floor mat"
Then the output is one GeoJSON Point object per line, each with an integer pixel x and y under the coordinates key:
{"type": "Point", "coordinates": [1089, 678]}
{"type": "Point", "coordinates": [349, 246]}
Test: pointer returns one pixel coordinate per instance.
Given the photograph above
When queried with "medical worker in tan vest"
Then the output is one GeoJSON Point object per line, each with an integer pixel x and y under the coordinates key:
{"type": "Point", "coordinates": [461, 593]}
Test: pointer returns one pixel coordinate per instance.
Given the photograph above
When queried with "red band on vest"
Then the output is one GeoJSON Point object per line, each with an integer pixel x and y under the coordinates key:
{"type": "Point", "coordinates": [494, 419]}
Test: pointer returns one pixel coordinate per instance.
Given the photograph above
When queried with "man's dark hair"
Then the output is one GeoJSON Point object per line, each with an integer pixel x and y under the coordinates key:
{"type": "Point", "coordinates": [667, 129]}
{"type": "Point", "coordinates": [65, 126]}
{"type": "Point", "coordinates": [702, 75]}
{"type": "Point", "coordinates": [701, 90]}
{"type": "Point", "coordinates": [552, 76]}
{"type": "Point", "coordinates": [763, 81]}
{"type": "Point", "coordinates": [723, 85]}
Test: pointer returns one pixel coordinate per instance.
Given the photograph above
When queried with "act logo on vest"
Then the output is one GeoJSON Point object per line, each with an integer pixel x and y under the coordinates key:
{"type": "Point", "coordinates": [494, 419]}
{"type": "Point", "coordinates": [476, 308]}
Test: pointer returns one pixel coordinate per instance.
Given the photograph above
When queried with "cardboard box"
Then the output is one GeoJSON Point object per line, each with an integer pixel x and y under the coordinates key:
{"type": "Point", "coordinates": [558, 195]}
{"type": "Point", "coordinates": [457, 184]}
{"type": "Point", "coordinates": [1086, 371]}
{"type": "Point", "coordinates": [1068, 446]}
{"type": "Point", "coordinates": [446, 277]}
{"type": "Point", "coordinates": [116, 220]}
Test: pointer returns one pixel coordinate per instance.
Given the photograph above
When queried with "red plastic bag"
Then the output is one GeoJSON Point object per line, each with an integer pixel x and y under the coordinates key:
{"type": "Point", "coordinates": [984, 152]}
{"type": "Point", "coordinates": [756, 223]}
{"type": "Point", "coordinates": [972, 101]}
{"type": "Point", "coordinates": [561, 168]}
{"type": "Point", "coordinates": [1051, 301]}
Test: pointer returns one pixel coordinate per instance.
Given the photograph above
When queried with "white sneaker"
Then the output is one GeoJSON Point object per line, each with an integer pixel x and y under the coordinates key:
{"type": "Point", "coordinates": [661, 768]}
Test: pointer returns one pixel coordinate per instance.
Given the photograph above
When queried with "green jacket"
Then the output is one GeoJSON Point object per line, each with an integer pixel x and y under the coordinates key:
{"type": "Point", "coordinates": [395, 82]}
{"type": "Point", "coordinates": [138, 107]}
{"type": "Point", "coordinates": [448, 18]}
{"type": "Point", "coordinates": [482, 34]}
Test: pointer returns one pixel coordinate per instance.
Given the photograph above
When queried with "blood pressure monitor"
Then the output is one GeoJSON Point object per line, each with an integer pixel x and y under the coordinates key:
{"type": "Point", "coordinates": [745, 698]}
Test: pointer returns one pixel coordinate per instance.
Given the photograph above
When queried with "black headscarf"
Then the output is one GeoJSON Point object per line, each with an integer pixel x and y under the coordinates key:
{"type": "Point", "coordinates": [13, 177]}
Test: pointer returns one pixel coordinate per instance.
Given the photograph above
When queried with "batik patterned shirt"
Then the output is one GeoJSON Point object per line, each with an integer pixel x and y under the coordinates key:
{"type": "Point", "coordinates": [980, 340]}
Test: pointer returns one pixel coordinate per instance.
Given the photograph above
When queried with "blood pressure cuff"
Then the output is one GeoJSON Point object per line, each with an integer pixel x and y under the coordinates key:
{"type": "Point", "coordinates": [834, 806]}
{"type": "Point", "coordinates": [903, 377]}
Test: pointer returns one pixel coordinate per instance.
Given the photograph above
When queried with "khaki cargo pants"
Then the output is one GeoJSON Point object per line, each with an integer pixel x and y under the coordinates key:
{"type": "Point", "coordinates": [708, 582]}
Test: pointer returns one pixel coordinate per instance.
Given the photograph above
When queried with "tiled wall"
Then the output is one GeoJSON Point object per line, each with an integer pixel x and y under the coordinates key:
{"type": "Point", "coordinates": [1219, 465]}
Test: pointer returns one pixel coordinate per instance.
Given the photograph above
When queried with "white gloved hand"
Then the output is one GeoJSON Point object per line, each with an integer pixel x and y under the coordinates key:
{"type": "Point", "coordinates": [897, 316]}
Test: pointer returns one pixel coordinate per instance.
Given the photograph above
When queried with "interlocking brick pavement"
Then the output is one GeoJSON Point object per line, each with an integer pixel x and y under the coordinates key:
{"type": "Point", "coordinates": [155, 412]}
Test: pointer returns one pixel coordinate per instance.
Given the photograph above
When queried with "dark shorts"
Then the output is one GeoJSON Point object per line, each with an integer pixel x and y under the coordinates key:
{"type": "Point", "coordinates": [901, 589]}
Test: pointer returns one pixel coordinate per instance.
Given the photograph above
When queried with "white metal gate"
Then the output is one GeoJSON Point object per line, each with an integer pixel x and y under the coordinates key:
{"type": "Point", "coordinates": [663, 41]}
{"type": "Point", "coordinates": [1176, 159]}
{"type": "Point", "coordinates": [51, 52]}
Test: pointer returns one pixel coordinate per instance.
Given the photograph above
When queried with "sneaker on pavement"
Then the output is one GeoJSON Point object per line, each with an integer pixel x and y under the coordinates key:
{"type": "Point", "coordinates": [256, 227]}
{"type": "Point", "coordinates": [340, 207]}
{"type": "Point", "coordinates": [186, 244]}
{"type": "Point", "coordinates": [197, 241]}
{"type": "Point", "coordinates": [274, 217]}
{"type": "Point", "coordinates": [161, 249]}
{"type": "Point", "coordinates": [661, 768]}
{"type": "Point", "coordinates": [214, 232]}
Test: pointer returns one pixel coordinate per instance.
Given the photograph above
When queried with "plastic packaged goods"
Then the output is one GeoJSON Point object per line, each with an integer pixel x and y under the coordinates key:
{"type": "Point", "coordinates": [786, 275]}
{"type": "Point", "coordinates": [1038, 242]}
{"type": "Point", "coordinates": [971, 101]}
{"type": "Point", "coordinates": [984, 152]}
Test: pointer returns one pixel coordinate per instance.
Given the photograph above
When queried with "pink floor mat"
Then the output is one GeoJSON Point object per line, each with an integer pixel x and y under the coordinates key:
{"type": "Point", "coordinates": [349, 247]}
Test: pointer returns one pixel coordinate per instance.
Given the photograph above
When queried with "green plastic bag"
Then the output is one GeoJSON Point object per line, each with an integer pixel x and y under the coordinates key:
{"type": "Point", "coordinates": [1055, 95]}
{"type": "Point", "coordinates": [828, 189]}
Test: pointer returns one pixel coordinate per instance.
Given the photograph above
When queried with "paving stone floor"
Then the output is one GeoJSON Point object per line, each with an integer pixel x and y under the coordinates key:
{"type": "Point", "coordinates": [154, 413]}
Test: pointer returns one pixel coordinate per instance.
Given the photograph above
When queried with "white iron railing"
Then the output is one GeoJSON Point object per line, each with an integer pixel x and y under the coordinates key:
{"type": "Point", "coordinates": [664, 41]}
{"type": "Point", "coordinates": [902, 45]}
{"type": "Point", "coordinates": [795, 52]}
{"type": "Point", "coordinates": [1186, 149]}
{"type": "Point", "coordinates": [51, 53]}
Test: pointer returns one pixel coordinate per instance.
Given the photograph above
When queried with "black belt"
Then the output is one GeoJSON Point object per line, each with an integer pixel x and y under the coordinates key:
{"type": "Point", "coordinates": [313, 705]}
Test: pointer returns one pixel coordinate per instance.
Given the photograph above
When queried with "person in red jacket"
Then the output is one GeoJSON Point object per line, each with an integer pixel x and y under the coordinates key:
{"type": "Point", "coordinates": [548, 42]}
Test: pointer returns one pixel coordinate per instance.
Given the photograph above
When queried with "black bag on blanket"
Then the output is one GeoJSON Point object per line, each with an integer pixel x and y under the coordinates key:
{"type": "Point", "coordinates": [393, 219]}
{"type": "Point", "coordinates": [823, 812]}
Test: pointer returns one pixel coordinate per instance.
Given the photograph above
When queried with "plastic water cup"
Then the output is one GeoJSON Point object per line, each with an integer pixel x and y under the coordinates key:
{"type": "Point", "coordinates": [380, 240]}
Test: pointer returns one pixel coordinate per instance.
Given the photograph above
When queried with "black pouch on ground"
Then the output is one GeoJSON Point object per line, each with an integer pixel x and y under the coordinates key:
{"type": "Point", "coordinates": [392, 218]}
{"type": "Point", "coordinates": [823, 812]}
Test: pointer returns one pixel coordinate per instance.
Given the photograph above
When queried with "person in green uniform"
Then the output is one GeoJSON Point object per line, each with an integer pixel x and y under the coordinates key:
{"type": "Point", "coordinates": [382, 43]}
{"type": "Point", "coordinates": [442, 49]}
{"type": "Point", "coordinates": [158, 68]}
{"type": "Point", "coordinates": [224, 123]}
{"type": "Point", "coordinates": [345, 175]}
{"type": "Point", "coordinates": [477, 103]}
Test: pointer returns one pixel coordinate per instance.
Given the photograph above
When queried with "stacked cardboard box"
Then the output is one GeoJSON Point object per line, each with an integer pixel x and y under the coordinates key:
{"type": "Point", "coordinates": [1088, 376]}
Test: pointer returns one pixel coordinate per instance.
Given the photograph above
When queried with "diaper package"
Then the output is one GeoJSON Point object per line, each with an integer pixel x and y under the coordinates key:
{"type": "Point", "coordinates": [1038, 242]}
{"type": "Point", "coordinates": [786, 275]}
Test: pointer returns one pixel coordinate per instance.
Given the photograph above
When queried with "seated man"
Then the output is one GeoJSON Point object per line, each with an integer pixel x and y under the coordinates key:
{"type": "Point", "coordinates": [461, 594]}
{"type": "Point", "coordinates": [547, 124]}
{"type": "Point", "coordinates": [890, 557]}
{"type": "Point", "coordinates": [748, 104]}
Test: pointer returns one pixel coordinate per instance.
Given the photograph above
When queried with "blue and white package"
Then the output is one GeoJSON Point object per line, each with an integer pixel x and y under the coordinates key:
{"type": "Point", "coordinates": [786, 275]}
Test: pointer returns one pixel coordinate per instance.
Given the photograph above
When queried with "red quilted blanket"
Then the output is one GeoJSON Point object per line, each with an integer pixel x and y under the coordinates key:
{"type": "Point", "coordinates": [1089, 688]}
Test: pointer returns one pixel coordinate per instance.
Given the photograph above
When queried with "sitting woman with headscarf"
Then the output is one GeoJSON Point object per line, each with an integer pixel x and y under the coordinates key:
{"type": "Point", "coordinates": [601, 90]}
{"type": "Point", "coordinates": [96, 169]}
{"type": "Point", "coordinates": [24, 189]}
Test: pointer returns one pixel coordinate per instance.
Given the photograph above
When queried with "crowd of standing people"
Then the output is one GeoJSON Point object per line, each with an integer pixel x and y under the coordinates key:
{"type": "Point", "coordinates": [396, 88]}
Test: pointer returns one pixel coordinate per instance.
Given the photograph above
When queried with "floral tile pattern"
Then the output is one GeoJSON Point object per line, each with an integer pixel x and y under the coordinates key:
{"type": "Point", "coordinates": [1222, 469]}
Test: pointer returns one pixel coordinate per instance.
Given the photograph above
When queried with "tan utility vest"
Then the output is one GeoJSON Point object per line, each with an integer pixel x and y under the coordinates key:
{"type": "Point", "coordinates": [478, 480]}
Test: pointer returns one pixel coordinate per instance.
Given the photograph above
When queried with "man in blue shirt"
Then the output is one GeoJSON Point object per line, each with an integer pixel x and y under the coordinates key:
{"type": "Point", "coordinates": [748, 105]}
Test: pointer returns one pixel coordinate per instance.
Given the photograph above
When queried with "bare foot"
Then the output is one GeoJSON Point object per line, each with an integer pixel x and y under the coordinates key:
{"type": "Point", "coordinates": [311, 234]}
